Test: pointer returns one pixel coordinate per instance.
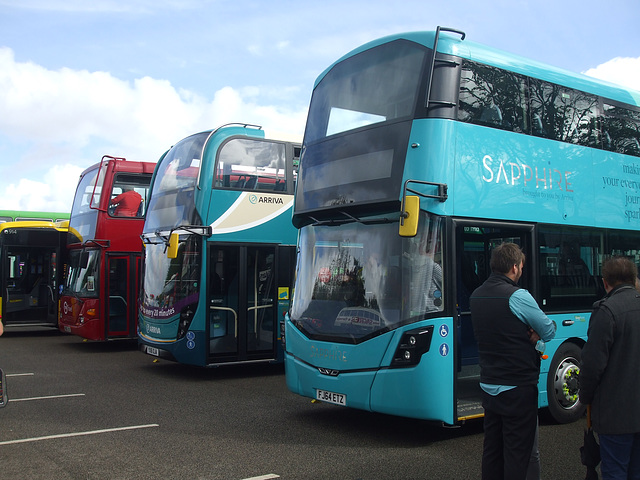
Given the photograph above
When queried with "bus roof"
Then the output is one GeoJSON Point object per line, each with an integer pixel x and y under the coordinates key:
{"type": "Point", "coordinates": [452, 44]}
{"type": "Point", "coordinates": [33, 215]}
{"type": "Point", "coordinates": [61, 226]}
{"type": "Point", "coordinates": [124, 165]}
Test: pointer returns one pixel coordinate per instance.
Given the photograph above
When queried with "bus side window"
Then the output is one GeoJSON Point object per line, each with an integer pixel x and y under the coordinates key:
{"type": "Point", "coordinates": [622, 126]}
{"type": "Point", "coordinates": [493, 98]}
{"type": "Point", "coordinates": [250, 164]}
{"type": "Point", "coordinates": [568, 264]}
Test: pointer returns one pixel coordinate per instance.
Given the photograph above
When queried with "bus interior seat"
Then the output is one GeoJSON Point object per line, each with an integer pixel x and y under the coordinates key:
{"type": "Point", "coordinates": [536, 126]}
{"type": "Point", "coordinates": [491, 115]}
{"type": "Point", "coordinates": [607, 144]}
{"type": "Point", "coordinates": [250, 184]}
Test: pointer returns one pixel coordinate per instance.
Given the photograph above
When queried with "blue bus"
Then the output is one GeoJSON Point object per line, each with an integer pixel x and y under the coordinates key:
{"type": "Point", "coordinates": [219, 248]}
{"type": "Point", "coordinates": [423, 151]}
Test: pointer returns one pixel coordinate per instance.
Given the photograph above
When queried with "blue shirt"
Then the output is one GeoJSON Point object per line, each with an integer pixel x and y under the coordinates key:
{"type": "Point", "coordinates": [523, 306]}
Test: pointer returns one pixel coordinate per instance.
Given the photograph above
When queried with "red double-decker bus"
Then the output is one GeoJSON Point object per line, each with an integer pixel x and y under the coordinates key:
{"type": "Point", "coordinates": [99, 296]}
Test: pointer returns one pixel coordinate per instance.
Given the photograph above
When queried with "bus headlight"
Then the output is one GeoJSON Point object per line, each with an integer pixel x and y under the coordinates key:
{"type": "Point", "coordinates": [186, 316]}
{"type": "Point", "coordinates": [413, 344]}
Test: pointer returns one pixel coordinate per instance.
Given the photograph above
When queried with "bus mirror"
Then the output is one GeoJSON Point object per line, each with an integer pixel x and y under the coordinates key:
{"type": "Point", "coordinates": [172, 250]}
{"type": "Point", "coordinates": [409, 217]}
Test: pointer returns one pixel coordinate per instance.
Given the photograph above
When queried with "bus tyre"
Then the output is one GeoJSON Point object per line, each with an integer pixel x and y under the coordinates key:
{"type": "Point", "coordinates": [562, 384]}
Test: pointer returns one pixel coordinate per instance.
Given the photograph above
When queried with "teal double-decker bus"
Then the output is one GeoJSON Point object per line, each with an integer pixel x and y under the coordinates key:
{"type": "Point", "coordinates": [219, 248]}
{"type": "Point", "coordinates": [423, 151]}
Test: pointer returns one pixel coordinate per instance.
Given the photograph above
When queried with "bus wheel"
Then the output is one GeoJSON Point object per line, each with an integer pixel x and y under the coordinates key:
{"type": "Point", "coordinates": [562, 384]}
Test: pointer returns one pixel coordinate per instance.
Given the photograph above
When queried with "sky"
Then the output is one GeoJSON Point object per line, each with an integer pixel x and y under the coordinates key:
{"type": "Point", "coordinates": [80, 79]}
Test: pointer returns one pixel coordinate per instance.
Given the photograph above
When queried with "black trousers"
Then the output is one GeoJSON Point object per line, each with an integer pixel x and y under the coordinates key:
{"type": "Point", "coordinates": [510, 421]}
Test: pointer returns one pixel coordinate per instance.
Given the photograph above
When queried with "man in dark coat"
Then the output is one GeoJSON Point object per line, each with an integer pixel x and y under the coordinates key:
{"type": "Point", "coordinates": [507, 321]}
{"type": "Point", "coordinates": [610, 372]}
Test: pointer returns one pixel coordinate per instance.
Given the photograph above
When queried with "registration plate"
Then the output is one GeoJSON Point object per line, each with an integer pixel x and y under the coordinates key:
{"type": "Point", "coordinates": [331, 397]}
{"type": "Point", "coordinates": [153, 351]}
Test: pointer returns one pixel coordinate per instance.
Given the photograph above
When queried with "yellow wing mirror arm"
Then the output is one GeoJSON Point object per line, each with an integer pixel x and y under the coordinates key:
{"type": "Point", "coordinates": [410, 206]}
{"type": "Point", "coordinates": [173, 242]}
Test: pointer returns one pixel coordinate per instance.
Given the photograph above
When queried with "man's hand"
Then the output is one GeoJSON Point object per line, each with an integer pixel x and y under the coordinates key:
{"type": "Point", "coordinates": [533, 336]}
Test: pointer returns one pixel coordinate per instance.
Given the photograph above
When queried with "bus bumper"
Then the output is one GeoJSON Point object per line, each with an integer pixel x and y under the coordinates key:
{"type": "Point", "coordinates": [355, 378]}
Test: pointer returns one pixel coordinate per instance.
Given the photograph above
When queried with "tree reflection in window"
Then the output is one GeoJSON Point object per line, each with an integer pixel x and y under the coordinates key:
{"type": "Point", "coordinates": [621, 130]}
{"type": "Point", "coordinates": [501, 99]}
{"type": "Point", "coordinates": [563, 114]}
{"type": "Point", "coordinates": [492, 97]}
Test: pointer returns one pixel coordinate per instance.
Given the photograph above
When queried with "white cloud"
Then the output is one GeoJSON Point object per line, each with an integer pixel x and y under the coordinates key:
{"type": "Point", "coordinates": [55, 195]}
{"type": "Point", "coordinates": [624, 71]}
{"type": "Point", "coordinates": [68, 119]}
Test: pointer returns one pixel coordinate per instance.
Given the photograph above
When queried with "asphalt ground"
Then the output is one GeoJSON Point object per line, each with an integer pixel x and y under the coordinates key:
{"type": "Point", "coordinates": [82, 410]}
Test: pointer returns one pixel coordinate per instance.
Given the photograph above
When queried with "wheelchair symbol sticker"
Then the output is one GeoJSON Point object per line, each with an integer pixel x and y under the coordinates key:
{"type": "Point", "coordinates": [444, 331]}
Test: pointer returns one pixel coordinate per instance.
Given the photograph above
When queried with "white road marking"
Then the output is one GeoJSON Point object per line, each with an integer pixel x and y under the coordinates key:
{"type": "Point", "coordinates": [263, 477]}
{"type": "Point", "coordinates": [20, 374]}
{"type": "Point", "coordinates": [80, 434]}
{"type": "Point", "coordinates": [46, 398]}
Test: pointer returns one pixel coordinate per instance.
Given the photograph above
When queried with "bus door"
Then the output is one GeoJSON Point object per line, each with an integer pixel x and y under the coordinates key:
{"type": "Point", "coordinates": [242, 303]}
{"type": "Point", "coordinates": [474, 241]}
{"type": "Point", "coordinates": [52, 292]}
{"type": "Point", "coordinates": [121, 284]}
{"type": "Point", "coordinates": [29, 285]}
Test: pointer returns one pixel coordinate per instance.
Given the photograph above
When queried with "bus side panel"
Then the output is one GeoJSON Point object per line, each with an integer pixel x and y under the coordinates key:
{"type": "Point", "coordinates": [527, 178]}
{"type": "Point", "coordinates": [247, 216]}
{"type": "Point", "coordinates": [570, 327]}
{"type": "Point", "coordinates": [426, 390]}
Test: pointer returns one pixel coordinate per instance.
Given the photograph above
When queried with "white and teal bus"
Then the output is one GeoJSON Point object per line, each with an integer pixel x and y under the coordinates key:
{"type": "Point", "coordinates": [422, 151]}
{"type": "Point", "coordinates": [219, 248]}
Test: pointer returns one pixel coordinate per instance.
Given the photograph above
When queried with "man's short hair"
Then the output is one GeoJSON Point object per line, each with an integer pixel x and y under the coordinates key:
{"type": "Point", "coordinates": [505, 256]}
{"type": "Point", "coordinates": [619, 270]}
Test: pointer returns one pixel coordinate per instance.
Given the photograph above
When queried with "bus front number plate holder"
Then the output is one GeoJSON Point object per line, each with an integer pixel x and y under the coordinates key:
{"type": "Point", "coordinates": [331, 397]}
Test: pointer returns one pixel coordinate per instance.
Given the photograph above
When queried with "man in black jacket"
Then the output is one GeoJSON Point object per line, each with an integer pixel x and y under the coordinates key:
{"type": "Point", "coordinates": [507, 321]}
{"type": "Point", "coordinates": [610, 373]}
